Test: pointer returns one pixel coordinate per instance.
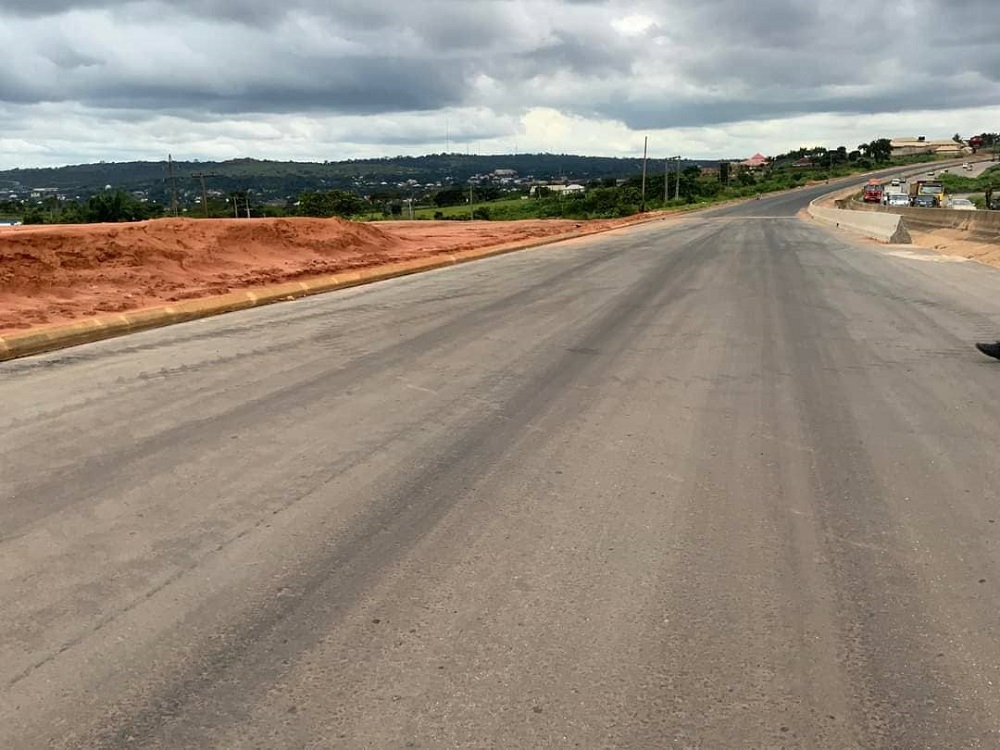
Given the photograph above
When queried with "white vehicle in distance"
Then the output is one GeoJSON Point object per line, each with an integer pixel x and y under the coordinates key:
{"type": "Point", "coordinates": [961, 204]}
{"type": "Point", "coordinates": [967, 166]}
{"type": "Point", "coordinates": [898, 200]}
{"type": "Point", "coordinates": [895, 182]}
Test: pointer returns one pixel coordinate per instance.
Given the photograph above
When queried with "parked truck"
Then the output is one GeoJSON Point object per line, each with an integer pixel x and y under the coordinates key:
{"type": "Point", "coordinates": [928, 187]}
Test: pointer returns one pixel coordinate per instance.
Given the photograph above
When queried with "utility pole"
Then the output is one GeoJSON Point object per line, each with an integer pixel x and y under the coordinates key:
{"type": "Point", "coordinates": [173, 184]}
{"type": "Point", "coordinates": [645, 151]}
{"type": "Point", "coordinates": [248, 203]}
{"type": "Point", "coordinates": [472, 210]}
{"type": "Point", "coordinates": [666, 177]}
{"type": "Point", "coordinates": [204, 191]}
{"type": "Point", "coordinates": [677, 189]}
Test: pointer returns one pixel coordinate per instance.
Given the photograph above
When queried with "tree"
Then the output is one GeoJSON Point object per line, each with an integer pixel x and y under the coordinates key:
{"type": "Point", "coordinates": [990, 182]}
{"type": "Point", "coordinates": [451, 196]}
{"type": "Point", "coordinates": [882, 150]}
{"type": "Point", "coordinates": [114, 206]}
{"type": "Point", "coordinates": [330, 203]}
{"type": "Point", "coordinates": [33, 216]}
{"type": "Point", "coordinates": [879, 150]}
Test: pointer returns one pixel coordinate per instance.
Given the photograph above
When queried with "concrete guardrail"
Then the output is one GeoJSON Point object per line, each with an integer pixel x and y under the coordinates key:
{"type": "Point", "coordinates": [980, 225]}
{"type": "Point", "coordinates": [878, 226]}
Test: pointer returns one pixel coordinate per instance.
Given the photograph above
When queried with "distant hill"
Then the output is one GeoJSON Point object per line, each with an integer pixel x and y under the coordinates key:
{"type": "Point", "coordinates": [276, 180]}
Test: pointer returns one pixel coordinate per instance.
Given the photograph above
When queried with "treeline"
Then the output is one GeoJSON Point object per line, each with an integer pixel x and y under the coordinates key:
{"type": "Point", "coordinates": [112, 206]}
{"type": "Point", "coordinates": [282, 179]}
{"type": "Point", "coordinates": [607, 196]}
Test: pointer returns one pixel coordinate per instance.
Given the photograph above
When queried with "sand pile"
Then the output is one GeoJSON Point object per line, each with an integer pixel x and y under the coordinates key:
{"type": "Point", "coordinates": [54, 274]}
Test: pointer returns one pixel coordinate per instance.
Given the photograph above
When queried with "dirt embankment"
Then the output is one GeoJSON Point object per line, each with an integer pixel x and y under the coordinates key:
{"type": "Point", "coordinates": [956, 242]}
{"type": "Point", "coordinates": [60, 273]}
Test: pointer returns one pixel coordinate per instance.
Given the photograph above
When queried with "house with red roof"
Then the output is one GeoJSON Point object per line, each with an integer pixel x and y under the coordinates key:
{"type": "Point", "coordinates": [754, 162]}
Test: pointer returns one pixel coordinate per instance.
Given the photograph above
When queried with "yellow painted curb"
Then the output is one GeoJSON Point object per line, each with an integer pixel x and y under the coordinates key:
{"type": "Point", "coordinates": [98, 328]}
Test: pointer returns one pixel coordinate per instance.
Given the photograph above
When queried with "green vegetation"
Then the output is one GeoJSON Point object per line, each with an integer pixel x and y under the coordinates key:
{"type": "Point", "coordinates": [331, 203]}
{"type": "Point", "coordinates": [958, 183]}
{"type": "Point", "coordinates": [277, 181]}
{"type": "Point", "coordinates": [607, 199]}
{"type": "Point", "coordinates": [110, 206]}
{"type": "Point", "coordinates": [981, 189]}
{"type": "Point", "coordinates": [428, 187]}
{"type": "Point", "coordinates": [495, 209]}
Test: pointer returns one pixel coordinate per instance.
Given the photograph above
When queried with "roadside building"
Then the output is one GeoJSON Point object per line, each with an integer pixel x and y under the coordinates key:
{"type": "Point", "coordinates": [910, 146]}
{"type": "Point", "coordinates": [755, 162]}
{"type": "Point", "coordinates": [559, 189]}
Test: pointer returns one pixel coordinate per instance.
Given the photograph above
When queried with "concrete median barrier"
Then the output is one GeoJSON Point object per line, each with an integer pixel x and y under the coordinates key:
{"type": "Point", "coordinates": [981, 226]}
{"type": "Point", "coordinates": [883, 227]}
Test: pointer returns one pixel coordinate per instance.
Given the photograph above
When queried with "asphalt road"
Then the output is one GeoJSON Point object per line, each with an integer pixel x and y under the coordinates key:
{"type": "Point", "coordinates": [729, 482]}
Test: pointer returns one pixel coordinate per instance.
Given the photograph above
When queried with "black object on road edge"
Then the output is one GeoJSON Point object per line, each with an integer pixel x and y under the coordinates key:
{"type": "Point", "coordinates": [990, 350]}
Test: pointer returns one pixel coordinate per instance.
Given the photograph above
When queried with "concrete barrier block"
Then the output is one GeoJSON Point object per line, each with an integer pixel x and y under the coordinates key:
{"type": "Point", "coordinates": [24, 344]}
{"type": "Point", "coordinates": [138, 320]}
{"type": "Point", "coordinates": [199, 308]}
{"type": "Point", "coordinates": [884, 227]}
{"type": "Point", "coordinates": [323, 284]}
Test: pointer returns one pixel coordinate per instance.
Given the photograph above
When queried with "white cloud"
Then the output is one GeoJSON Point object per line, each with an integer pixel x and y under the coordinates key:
{"type": "Point", "coordinates": [633, 25]}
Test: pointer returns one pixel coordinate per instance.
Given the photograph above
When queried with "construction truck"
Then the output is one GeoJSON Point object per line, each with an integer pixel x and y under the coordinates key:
{"type": "Point", "coordinates": [928, 187]}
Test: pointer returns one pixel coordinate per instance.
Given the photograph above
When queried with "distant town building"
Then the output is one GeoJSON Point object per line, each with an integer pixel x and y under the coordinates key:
{"type": "Point", "coordinates": [559, 188]}
{"type": "Point", "coordinates": [909, 146]}
{"type": "Point", "coordinates": [757, 161]}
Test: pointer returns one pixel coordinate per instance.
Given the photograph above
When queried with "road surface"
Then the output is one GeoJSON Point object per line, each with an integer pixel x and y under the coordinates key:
{"type": "Point", "coordinates": [725, 482]}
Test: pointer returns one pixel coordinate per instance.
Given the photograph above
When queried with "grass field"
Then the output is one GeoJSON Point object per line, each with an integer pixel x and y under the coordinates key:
{"type": "Point", "coordinates": [503, 205]}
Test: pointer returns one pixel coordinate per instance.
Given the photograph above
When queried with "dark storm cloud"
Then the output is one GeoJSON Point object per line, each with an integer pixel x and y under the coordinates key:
{"type": "Point", "coordinates": [563, 54]}
{"type": "Point", "coordinates": [339, 57]}
{"type": "Point", "coordinates": [677, 62]}
{"type": "Point", "coordinates": [357, 86]}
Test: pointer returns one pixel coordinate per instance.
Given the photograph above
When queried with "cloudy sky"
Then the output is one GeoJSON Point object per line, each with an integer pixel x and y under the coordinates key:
{"type": "Point", "coordinates": [90, 80]}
